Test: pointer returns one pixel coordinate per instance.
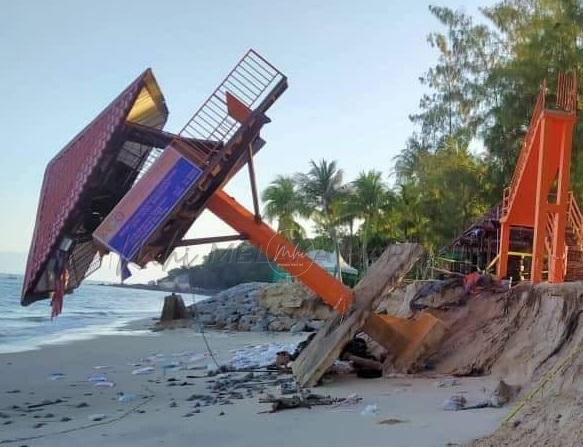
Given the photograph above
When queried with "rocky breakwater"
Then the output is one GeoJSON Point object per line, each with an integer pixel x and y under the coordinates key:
{"type": "Point", "coordinates": [263, 307]}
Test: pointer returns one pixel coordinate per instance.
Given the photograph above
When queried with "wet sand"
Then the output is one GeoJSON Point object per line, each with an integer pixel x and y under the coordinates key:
{"type": "Point", "coordinates": [47, 400]}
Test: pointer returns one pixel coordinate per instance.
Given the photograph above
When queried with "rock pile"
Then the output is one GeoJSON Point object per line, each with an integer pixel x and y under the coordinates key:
{"type": "Point", "coordinates": [264, 307]}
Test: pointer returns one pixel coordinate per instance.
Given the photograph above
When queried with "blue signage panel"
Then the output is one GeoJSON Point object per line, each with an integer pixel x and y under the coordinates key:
{"type": "Point", "coordinates": [165, 196]}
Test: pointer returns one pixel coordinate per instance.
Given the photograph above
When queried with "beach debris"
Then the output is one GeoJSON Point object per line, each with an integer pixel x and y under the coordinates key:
{"type": "Point", "coordinates": [259, 356]}
{"type": "Point", "coordinates": [301, 400]}
{"type": "Point", "coordinates": [282, 360]}
{"type": "Point", "coordinates": [364, 363]}
{"type": "Point", "coordinates": [341, 367]}
{"type": "Point", "coordinates": [97, 377]}
{"type": "Point", "coordinates": [385, 274]}
{"type": "Point", "coordinates": [143, 371]}
{"type": "Point", "coordinates": [449, 382]}
{"type": "Point", "coordinates": [13, 392]}
{"type": "Point", "coordinates": [44, 403]}
{"type": "Point", "coordinates": [104, 384]}
{"type": "Point", "coordinates": [504, 393]}
{"type": "Point", "coordinates": [392, 421]}
{"type": "Point", "coordinates": [101, 367]}
{"type": "Point", "coordinates": [289, 387]}
{"type": "Point", "coordinates": [96, 417]}
{"type": "Point", "coordinates": [454, 403]}
{"type": "Point", "coordinates": [370, 410]}
{"type": "Point", "coordinates": [351, 399]}
{"type": "Point", "coordinates": [56, 376]}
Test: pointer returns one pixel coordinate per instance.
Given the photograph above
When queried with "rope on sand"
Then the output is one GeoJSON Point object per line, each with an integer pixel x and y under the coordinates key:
{"type": "Point", "coordinates": [86, 426]}
{"type": "Point", "coordinates": [544, 381]}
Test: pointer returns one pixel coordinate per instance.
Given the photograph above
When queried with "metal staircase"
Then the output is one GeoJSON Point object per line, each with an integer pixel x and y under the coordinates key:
{"type": "Point", "coordinates": [538, 196]}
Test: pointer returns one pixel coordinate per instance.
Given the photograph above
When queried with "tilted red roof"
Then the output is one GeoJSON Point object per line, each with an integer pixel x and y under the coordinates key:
{"type": "Point", "coordinates": [69, 174]}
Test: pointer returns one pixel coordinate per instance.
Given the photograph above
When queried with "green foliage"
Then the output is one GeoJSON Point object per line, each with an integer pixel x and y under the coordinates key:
{"type": "Point", "coordinates": [321, 190]}
{"type": "Point", "coordinates": [283, 203]}
{"type": "Point", "coordinates": [443, 197]}
{"type": "Point", "coordinates": [227, 267]}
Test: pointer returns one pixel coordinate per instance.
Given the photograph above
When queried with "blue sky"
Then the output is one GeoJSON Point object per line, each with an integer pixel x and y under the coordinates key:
{"type": "Point", "coordinates": [353, 70]}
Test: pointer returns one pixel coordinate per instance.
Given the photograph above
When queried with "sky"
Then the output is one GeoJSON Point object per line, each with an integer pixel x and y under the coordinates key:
{"type": "Point", "coordinates": [353, 70]}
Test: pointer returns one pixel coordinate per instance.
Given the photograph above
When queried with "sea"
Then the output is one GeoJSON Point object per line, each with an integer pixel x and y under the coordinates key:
{"type": "Point", "coordinates": [92, 310]}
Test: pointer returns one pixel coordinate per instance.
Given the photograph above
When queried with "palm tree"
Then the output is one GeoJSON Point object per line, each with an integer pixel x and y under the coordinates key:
{"type": "Point", "coordinates": [348, 214]}
{"type": "Point", "coordinates": [369, 197]}
{"type": "Point", "coordinates": [321, 188]}
{"type": "Point", "coordinates": [282, 203]}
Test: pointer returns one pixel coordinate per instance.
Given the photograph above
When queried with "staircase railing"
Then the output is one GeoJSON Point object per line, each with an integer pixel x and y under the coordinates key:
{"type": "Point", "coordinates": [251, 81]}
{"type": "Point", "coordinates": [549, 234]}
{"type": "Point", "coordinates": [526, 147]}
{"type": "Point", "coordinates": [575, 220]}
{"type": "Point", "coordinates": [549, 231]}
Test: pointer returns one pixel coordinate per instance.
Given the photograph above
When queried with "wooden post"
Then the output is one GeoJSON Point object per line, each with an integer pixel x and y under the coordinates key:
{"type": "Point", "coordinates": [502, 268]}
{"type": "Point", "coordinates": [174, 309]}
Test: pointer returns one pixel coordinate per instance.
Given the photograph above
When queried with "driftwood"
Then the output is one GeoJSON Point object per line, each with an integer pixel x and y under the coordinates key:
{"type": "Point", "coordinates": [383, 276]}
{"type": "Point", "coordinates": [299, 401]}
{"type": "Point", "coordinates": [363, 362]}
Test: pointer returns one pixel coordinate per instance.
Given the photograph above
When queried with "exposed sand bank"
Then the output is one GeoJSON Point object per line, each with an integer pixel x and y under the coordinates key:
{"type": "Point", "coordinates": [153, 419]}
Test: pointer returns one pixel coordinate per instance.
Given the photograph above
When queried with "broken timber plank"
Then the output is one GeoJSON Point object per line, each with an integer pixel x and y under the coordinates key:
{"type": "Point", "coordinates": [383, 276]}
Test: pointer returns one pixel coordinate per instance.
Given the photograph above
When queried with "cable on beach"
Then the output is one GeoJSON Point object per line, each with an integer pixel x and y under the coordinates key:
{"type": "Point", "coordinates": [86, 426]}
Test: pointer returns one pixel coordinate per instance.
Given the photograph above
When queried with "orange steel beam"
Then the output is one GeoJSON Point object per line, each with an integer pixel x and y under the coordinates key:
{"type": "Point", "coordinates": [281, 251]}
{"type": "Point", "coordinates": [558, 259]}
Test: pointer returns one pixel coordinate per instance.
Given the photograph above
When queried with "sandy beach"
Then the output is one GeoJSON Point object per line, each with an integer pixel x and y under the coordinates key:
{"type": "Point", "coordinates": [50, 396]}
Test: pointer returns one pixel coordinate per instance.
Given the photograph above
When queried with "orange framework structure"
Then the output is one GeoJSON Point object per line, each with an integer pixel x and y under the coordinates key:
{"type": "Point", "coordinates": [538, 196]}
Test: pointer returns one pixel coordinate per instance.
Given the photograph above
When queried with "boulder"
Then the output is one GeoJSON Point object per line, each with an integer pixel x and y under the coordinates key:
{"type": "Point", "coordinates": [261, 306]}
{"type": "Point", "coordinates": [280, 324]}
{"type": "Point", "coordinates": [293, 300]}
{"type": "Point", "coordinates": [300, 326]}
{"type": "Point", "coordinates": [246, 322]}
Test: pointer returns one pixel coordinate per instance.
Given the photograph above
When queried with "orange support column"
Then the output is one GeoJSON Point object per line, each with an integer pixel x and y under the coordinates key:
{"type": "Point", "coordinates": [502, 268]}
{"type": "Point", "coordinates": [540, 207]}
{"type": "Point", "coordinates": [558, 261]}
{"type": "Point", "coordinates": [281, 251]}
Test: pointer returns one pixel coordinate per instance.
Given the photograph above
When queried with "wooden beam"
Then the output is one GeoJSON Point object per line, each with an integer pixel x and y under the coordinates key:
{"type": "Point", "coordinates": [210, 240]}
{"type": "Point", "coordinates": [383, 276]}
{"type": "Point", "coordinates": [253, 183]}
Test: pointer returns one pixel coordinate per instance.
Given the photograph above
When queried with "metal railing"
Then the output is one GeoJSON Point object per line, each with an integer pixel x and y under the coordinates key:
{"type": "Point", "coordinates": [566, 100]}
{"type": "Point", "coordinates": [526, 147]}
{"type": "Point", "coordinates": [575, 220]}
{"type": "Point", "coordinates": [252, 79]}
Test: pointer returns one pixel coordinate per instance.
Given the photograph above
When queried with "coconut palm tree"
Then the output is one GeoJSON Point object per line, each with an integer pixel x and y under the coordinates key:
{"type": "Point", "coordinates": [321, 188]}
{"type": "Point", "coordinates": [369, 196]}
{"type": "Point", "coordinates": [282, 203]}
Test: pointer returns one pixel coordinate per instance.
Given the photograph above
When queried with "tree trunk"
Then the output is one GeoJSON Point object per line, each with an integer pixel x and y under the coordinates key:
{"type": "Point", "coordinates": [351, 230]}
{"type": "Point", "coordinates": [364, 248]}
{"type": "Point", "coordinates": [337, 249]}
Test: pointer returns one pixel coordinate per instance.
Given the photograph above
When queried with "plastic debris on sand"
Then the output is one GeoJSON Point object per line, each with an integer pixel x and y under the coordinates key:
{"type": "Point", "coordinates": [370, 410]}
{"type": "Point", "coordinates": [143, 371]}
{"type": "Point", "coordinates": [259, 355]}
